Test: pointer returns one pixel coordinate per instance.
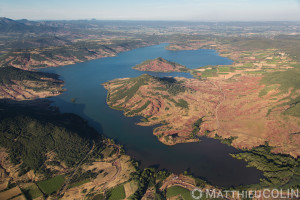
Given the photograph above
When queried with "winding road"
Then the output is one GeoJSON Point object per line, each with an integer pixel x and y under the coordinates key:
{"type": "Point", "coordinates": [67, 182]}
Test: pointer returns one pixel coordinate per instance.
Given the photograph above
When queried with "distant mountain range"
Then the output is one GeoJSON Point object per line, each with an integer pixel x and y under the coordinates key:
{"type": "Point", "coordinates": [23, 26]}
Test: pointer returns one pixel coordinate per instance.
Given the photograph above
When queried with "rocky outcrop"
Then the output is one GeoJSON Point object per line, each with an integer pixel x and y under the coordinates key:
{"type": "Point", "coordinates": [160, 65]}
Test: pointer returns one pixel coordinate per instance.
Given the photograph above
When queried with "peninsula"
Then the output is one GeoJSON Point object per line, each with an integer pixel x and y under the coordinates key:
{"type": "Point", "coordinates": [248, 104]}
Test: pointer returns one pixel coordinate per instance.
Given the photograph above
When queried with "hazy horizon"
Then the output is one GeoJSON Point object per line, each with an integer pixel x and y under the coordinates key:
{"type": "Point", "coordinates": [156, 10]}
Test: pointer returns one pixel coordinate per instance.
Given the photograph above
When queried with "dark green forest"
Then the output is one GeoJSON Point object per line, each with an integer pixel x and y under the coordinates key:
{"type": "Point", "coordinates": [278, 170]}
{"type": "Point", "coordinates": [28, 133]}
{"type": "Point", "coordinates": [7, 74]}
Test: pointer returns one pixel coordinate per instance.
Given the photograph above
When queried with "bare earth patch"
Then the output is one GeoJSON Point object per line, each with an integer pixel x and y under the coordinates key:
{"type": "Point", "coordinates": [227, 107]}
{"type": "Point", "coordinates": [114, 172]}
{"type": "Point", "coordinates": [25, 90]}
{"type": "Point", "coordinates": [8, 194]}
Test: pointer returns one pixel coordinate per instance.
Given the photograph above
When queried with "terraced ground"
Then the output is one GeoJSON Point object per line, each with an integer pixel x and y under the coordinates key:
{"type": "Point", "coordinates": [253, 101]}
{"type": "Point", "coordinates": [18, 84]}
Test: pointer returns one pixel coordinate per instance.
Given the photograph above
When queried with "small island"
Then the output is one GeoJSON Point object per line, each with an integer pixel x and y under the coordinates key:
{"type": "Point", "coordinates": [160, 65]}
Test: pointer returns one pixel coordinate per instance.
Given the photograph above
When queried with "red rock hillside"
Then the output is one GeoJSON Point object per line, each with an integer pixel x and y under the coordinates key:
{"type": "Point", "coordinates": [160, 65]}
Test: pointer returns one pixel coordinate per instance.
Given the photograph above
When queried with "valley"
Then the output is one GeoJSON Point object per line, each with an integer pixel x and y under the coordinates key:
{"type": "Point", "coordinates": [225, 116]}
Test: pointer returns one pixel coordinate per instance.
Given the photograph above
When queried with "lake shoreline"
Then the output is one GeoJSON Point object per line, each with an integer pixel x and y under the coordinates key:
{"type": "Point", "coordinates": [139, 141]}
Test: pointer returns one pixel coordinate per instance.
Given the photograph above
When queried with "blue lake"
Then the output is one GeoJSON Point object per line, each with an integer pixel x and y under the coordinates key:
{"type": "Point", "coordinates": [208, 159]}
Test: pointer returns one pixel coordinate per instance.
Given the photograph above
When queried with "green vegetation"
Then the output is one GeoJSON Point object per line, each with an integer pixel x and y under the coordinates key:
{"type": "Point", "coordinates": [255, 72]}
{"type": "Point", "coordinates": [196, 128]}
{"type": "Point", "coordinates": [213, 72]}
{"type": "Point", "coordinates": [176, 190]}
{"type": "Point", "coordinates": [79, 183]}
{"type": "Point", "coordinates": [140, 109]}
{"type": "Point", "coordinates": [149, 177]}
{"type": "Point", "coordinates": [107, 152]}
{"type": "Point", "coordinates": [82, 177]}
{"type": "Point", "coordinates": [200, 183]}
{"type": "Point", "coordinates": [294, 108]}
{"type": "Point", "coordinates": [267, 89]}
{"type": "Point", "coordinates": [116, 193]}
{"type": "Point", "coordinates": [285, 81]}
{"type": "Point", "coordinates": [145, 179]}
{"type": "Point", "coordinates": [247, 65]}
{"type": "Point", "coordinates": [224, 69]}
{"type": "Point", "coordinates": [182, 103]}
{"type": "Point", "coordinates": [32, 192]}
{"type": "Point", "coordinates": [28, 134]}
{"type": "Point", "coordinates": [227, 141]}
{"type": "Point", "coordinates": [171, 85]}
{"type": "Point", "coordinates": [162, 175]}
{"type": "Point", "coordinates": [9, 74]}
{"type": "Point", "coordinates": [52, 185]}
{"type": "Point", "coordinates": [279, 170]}
{"type": "Point", "coordinates": [288, 44]}
{"type": "Point", "coordinates": [132, 86]}
{"type": "Point", "coordinates": [288, 79]}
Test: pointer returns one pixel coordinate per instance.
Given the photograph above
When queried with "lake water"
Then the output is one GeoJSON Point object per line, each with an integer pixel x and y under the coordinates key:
{"type": "Point", "coordinates": [208, 159]}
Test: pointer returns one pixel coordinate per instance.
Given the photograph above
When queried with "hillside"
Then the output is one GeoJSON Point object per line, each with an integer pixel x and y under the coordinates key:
{"type": "Point", "coordinates": [20, 84]}
{"type": "Point", "coordinates": [45, 153]}
{"type": "Point", "coordinates": [160, 65]}
{"type": "Point", "coordinates": [241, 105]}
{"type": "Point", "coordinates": [23, 26]}
{"type": "Point", "coordinates": [65, 53]}
{"type": "Point", "coordinates": [42, 132]}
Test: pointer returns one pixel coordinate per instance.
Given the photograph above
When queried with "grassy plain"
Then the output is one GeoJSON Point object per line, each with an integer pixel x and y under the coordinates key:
{"type": "Point", "coordinates": [51, 185]}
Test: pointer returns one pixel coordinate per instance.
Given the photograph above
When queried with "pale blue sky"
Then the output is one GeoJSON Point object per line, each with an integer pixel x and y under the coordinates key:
{"type": "Point", "coordinates": [188, 10]}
